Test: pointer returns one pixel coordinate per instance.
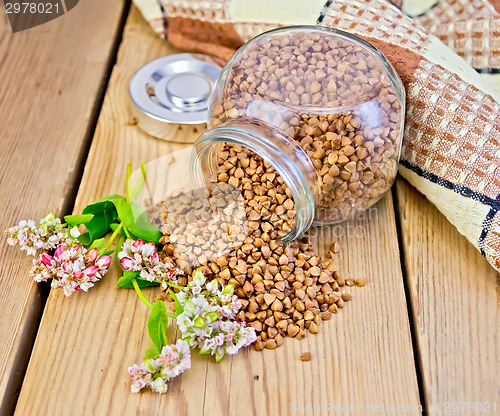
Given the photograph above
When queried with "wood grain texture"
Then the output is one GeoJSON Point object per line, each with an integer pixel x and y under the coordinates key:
{"type": "Point", "coordinates": [50, 79]}
{"type": "Point", "coordinates": [85, 343]}
{"type": "Point", "coordinates": [455, 297]}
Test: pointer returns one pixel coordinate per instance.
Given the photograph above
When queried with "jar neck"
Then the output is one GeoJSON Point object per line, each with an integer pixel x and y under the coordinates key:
{"type": "Point", "coordinates": [281, 151]}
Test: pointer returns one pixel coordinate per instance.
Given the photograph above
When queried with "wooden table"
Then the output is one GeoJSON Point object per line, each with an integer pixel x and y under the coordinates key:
{"type": "Point", "coordinates": [421, 335]}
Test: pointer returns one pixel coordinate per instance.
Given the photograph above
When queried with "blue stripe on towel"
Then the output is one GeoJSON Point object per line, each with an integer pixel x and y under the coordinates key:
{"type": "Point", "coordinates": [494, 204]}
{"type": "Point", "coordinates": [323, 12]}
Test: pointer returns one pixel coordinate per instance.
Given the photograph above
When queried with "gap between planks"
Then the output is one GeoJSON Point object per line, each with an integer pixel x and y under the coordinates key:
{"type": "Point", "coordinates": [454, 294]}
{"type": "Point", "coordinates": [52, 167]}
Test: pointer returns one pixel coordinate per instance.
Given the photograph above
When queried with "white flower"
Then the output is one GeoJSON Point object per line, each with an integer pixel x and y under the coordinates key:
{"type": "Point", "coordinates": [48, 235]}
{"type": "Point", "coordinates": [207, 320]}
{"type": "Point", "coordinates": [157, 372]}
{"type": "Point", "coordinates": [198, 279]}
{"type": "Point", "coordinates": [212, 287]}
{"type": "Point", "coordinates": [159, 385]}
{"type": "Point", "coordinates": [73, 232]}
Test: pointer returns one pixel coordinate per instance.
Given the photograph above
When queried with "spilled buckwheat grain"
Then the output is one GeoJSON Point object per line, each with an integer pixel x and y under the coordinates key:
{"type": "Point", "coordinates": [335, 100]}
{"type": "Point", "coordinates": [286, 290]}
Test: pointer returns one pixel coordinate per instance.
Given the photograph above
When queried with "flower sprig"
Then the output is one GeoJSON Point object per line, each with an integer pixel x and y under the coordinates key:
{"type": "Point", "coordinates": [205, 313]}
{"type": "Point", "coordinates": [73, 268]}
{"type": "Point", "coordinates": [208, 318]}
{"type": "Point", "coordinates": [205, 317]}
{"type": "Point", "coordinates": [138, 256]}
{"type": "Point", "coordinates": [70, 265]}
{"type": "Point", "coordinates": [49, 234]}
{"type": "Point", "coordinates": [156, 372]}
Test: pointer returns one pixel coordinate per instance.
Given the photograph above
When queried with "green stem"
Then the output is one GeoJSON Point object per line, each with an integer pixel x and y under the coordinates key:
{"type": "Point", "coordinates": [111, 239]}
{"type": "Point", "coordinates": [127, 184]}
{"type": "Point", "coordinates": [126, 231]}
{"type": "Point", "coordinates": [174, 286]}
{"type": "Point", "coordinates": [141, 295]}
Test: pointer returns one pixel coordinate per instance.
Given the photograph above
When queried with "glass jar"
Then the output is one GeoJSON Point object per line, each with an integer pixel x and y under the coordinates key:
{"type": "Point", "coordinates": [322, 107]}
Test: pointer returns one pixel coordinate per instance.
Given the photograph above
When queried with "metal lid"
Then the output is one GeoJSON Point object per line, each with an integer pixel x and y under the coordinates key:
{"type": "Point", "coordinates": [174, 89]}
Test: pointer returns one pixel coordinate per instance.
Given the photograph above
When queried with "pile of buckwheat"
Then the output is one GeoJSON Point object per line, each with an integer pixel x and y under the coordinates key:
{"type": "Point", "coordinates": [233, 232]}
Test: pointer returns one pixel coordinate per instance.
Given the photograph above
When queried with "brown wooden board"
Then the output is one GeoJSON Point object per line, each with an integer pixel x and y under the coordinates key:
{"type": "Point", "coordinates": [454, 295]}
{"type": "Point", "coordinates": [363, 356]}
{"type": "Point", "coordinates": [50, 82]}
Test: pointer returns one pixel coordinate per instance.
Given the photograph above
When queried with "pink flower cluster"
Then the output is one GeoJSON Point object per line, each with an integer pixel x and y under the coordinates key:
{"type": "Point", "coordinates": [136, 255]}
{"type": "Point", "coordinates": [72, 268]}
{"type": "Point", "coordinates": [48, 235]}
{"type": "Point", "coordinates": [155, 373]}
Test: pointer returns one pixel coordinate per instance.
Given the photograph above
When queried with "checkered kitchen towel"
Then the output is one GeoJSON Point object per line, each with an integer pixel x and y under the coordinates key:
{"type": "Point", "coordinates": [451, 147]}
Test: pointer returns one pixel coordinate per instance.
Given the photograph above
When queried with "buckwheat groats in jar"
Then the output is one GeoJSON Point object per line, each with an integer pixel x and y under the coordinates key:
{"type": "Point", "coordinates": [327, 97]}
{"type": "Point", "coordinates": [305, 128]}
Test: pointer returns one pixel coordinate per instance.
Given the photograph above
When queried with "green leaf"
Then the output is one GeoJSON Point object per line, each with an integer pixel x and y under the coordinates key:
{"type": "Point", "coordinates": [84, 239]}
{"type": "Point", "coordinates": [119, 246]}
{"type": "Point", "coordinates": [141, 218]}
{"type": "Point", "coordinates": [178, 306]}
{"type": "Point", "coordinates": [127, 181]}
{"type": "Point", "coordinates": [78, 219]}
{"type": "Point", "coordinates": [110, 198]}
{"type": "Point", "coordinates": [126, 280]}
{"type": "Point", "coordinates": [105, 214]}
{"type": "Point", "coordinates": [140, 182]}
{"type": "Point", "coordinates": [152, 353]}
{"type": "Point", "coordinates": [157, 325]}
{"type": "Point", "coordinates": [127, 277]}
{"type": "Point", "coordinates": [98, 244]}
{"type": "Point", "coordinates": [140, 229]}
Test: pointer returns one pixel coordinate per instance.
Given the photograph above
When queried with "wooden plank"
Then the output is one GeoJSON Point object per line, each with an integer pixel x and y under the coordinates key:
{"type": "Point", "coordinates": [79, 363]}
{"type": "Point", "coordinates": [456, 313]}
{"type": "Point", "coordinates": [50, 79]}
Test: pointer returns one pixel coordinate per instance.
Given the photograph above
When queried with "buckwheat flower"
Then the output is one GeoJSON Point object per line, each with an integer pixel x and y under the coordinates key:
{"type": "Point", "coordinates": [51, 233]}
{"type": "Point", "coordinates": [136, 255]}
{"type": "Point", "coordinates": [212, 287]}
{"type": "Point", "coordinates": [23, 235]}
{"type": "Point", "coordinates": [195, 322]}
{"type": "Point", "coordinates": [157, 372]}
{"type": "Point", "coordinates": [198, 279]}
{"type": "Point", "coordinates": [224, 301]}
{"type": "Point", "coordinates": [71, 268]}
{"type": "Point", "coordinates": [227, 338]}
{"type": "Point", "coordinates": [208, 318]}
{"type": "Point", "coordinates": [43, 268]}
{"type": "Point", "coordinates": [48, 235]}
